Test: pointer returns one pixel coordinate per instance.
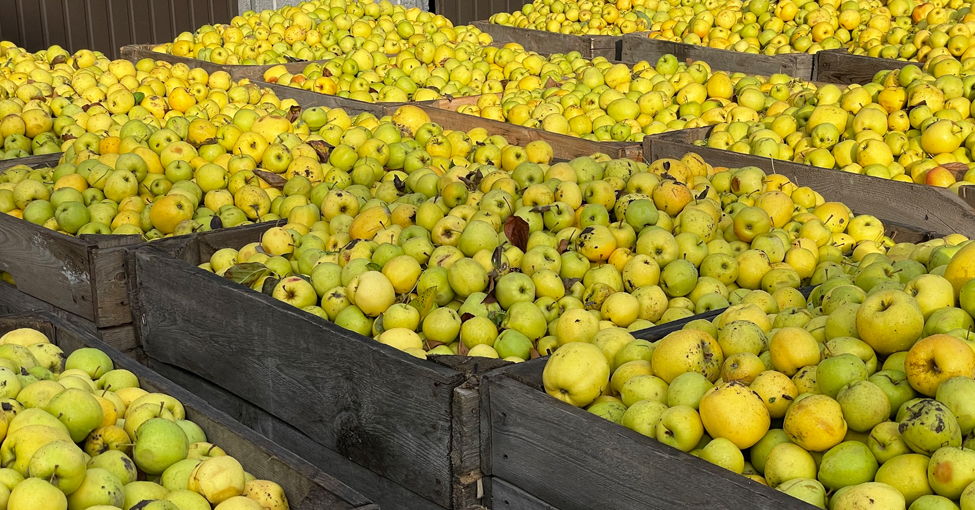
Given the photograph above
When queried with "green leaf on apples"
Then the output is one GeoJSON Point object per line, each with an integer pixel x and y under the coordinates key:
{"type": "Point", "coordinates": [378, 325]}
{"type": "Point", "coordinates": [138, 96]}
{"type": "Point", "coordinates": [269, 284]}
{"type": "Point", "coordinates": [497, 317]}
{"type": "Point", "coordinates": [372, 266]}
{"type": "Point", "coordinates": [272, 179]}
{"type": "Point", "coordinates": [425, 301]}
{"type": "Point", "coordinates": [247, 273]}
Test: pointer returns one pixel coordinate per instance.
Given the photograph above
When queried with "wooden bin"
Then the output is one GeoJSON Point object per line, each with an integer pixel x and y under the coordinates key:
{"type": "Point", "coordinates": [409, 425]}
{"type": "Point", "coordinates": [637, 47]}
{"type": "Point", "coordinates": [440, 112]}
{"type": "Point", "coordinates": [542, 453]}
{"type": "Point", "coordinates": [540, 41]}
{"type": "Point", "coordinates": [841, 67]}
{"type": "Point", "coordinates": [81, 279]}
{"type": "Point", "coordinates": [81, 275]}
{"type": "Point", "coordinates": [137, 52]}
{"type": "Point", "coordinates": [307, 487]}
{"type": "Point", "coordinates": [926, 208]}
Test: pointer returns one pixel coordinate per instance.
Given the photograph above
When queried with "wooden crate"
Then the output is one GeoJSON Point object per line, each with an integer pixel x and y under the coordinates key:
{"type": "Point", "coordinates": [307, 487]}
{"type": "Point", "coordinates": [137, 52]}
{"type": "Point", "coordinates": [637, 47]}
{"type": "Point", "coordinates": [410, 424]}
{"type": "Point", "coordinates": [839, 66]}
{"type": "Point", "coordinates": [544, 454]}
{"type": "Point", "coordinates": [83, 275]}
{"type": "Point", "coordinates": [564, 147]}
{"type": "Point", "coordinates": [540, 41]}
{"type": "Point", "coordinates": [925, 208]}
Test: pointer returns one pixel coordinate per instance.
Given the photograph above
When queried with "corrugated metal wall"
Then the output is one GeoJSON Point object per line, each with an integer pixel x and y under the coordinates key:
{"type": "Point", "coordinates": [461, 12]}
{"type": "Point", "coordinates": [105, 25]}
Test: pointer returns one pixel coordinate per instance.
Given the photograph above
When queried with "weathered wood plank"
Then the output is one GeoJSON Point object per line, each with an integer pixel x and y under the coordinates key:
{"type": "Point", "coordinates": [375, 405]}
{"type": "Point", "coordinates": [307, 487]}
{"type": "Point", "coordinates": [382, 491]}
{"type": "Point", "coordinates": [136, 52]}
{"type": "Point", "coordinates": [572, 459]}
{"type": "Point", "coordinates": [637, 47]}
{"type": "Point", "coordinates": [590, 46]}
{"type": "Point", "coordinates": [921, 207]}
{"type": "Point", "coordinates": [839, 66]}
{"type": "Point", "coordinates": [507, 496]}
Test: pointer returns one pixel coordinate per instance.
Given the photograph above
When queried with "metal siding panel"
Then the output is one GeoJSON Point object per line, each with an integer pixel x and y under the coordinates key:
{"type": "Point", "coordinates": [121, 29]}
{"type": "Point", "coordinates": [76, 26]}
{"type": "Point", "coordinates": [29, 13]}
{"type": "Point", "coordinates": [140, 22]}
{"type": "Point", "coordinates": [52, 23]}
{"type": "Point", "coordinates": [98, 27]}
{"type": "Point", "coordinates": [163, 29]}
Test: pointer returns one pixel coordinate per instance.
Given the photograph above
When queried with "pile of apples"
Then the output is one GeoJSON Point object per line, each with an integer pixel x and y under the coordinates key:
{"type": "Point", "coordinates": [52, 98]}
{"type": "Point", "coordinates": [154, 176]}
{"type": "Point", "coordinates": [433, 71]}
{"type": "Point", "coordinates": [616, 102]}
{"type": "Point", "coordinates": [78, 433]}
{"type": "Point", "coordinates": [863, 392]}
{"type": "Point", "coordinates": [901, 29]}
{"type": "Point", "coordinates": [484, 258]}
{"type": "Point", "coordinates": [318, 30]}
{"type": "Point", "coordinates": [908, 125]}
{"type": "Point", "coordinates": [580, 18]}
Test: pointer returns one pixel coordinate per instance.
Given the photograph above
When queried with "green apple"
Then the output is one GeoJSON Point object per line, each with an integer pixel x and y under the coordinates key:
{"type": "Point", "coordinates": [680, 427]}
{"type": "Point", "coordinates": [834, 373]}
{"type": "Point", "coordinates": [159, 444]}
{"type": "Point", "coordinates": [99, 487]}
{"type": "Point", "coordinates": [847, 345]}
{"type": "Point", "coordinates": [848, 463]}
{"type": "Point", "coordinates": [759, 452]}
{"type": "Point", "coordinates": [934, 502]}
{"type": "Point", "coordinates": [61, 462]}
{"type": "Point", "coordinates": [527, 319]}
{"type": "Point", "coordinates": [805, 489]}
{"type": "Point", "coordinates": [950, 470]}
{"type": "Point", "coordinates": [512, 288]}
{"type": "Point", "coordinates": [722, 452]}
{"type": "Point", "coordinates": [137, 492]}
{"type": "Point", "coordinates": [78, 410]}
{"type": "Point", "coordinates": [92, 361]}
{"type": "Point", "coordinates": [928, 425]}
{"type": "Point", "coordinates": [177, 476]}
{"type": "Point", "coordinates": [864, 404]}
{"type": "Point", "coordinates": [37, 494]}
{"type": "Point", "coordinates": [742, 336]}
{"type": "Point", "coordinates": [931, 292]}
{"type": "Point", "coordinates": [610, 410]}
{"type": "Point", "coordinates": [895, 384]}
{"type": "Point", "coordinates": [958, 393]}
{"type": "Point", "coordinates": [642, 416]}
{"type": "Point", "coordinates": [644, 387]}
{"type": "Point", "coordinates": [117, 379]}
{"type": "Point", "coordinates": [687, 389]}
{"type": "Point", "coordinates": [947, 319]}
{"type": "Point", "coordinates": [512, 343]}
{"type": "Point", "coordinates": [188, 500]}
{"type": "Point", "coordinates": [117, 463]}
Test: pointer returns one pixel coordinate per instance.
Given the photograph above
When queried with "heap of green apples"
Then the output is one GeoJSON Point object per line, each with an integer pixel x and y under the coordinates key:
{"type": "Point", "coordinates": [483, 257]}
{"type": "Point", "coordinates": [78, 433]}
{"type": "Point", "coordinates": [433, 71]}
{"type": "Point", "coordinates": [318, 30]}
{"type": "Point", "coordinates": [859, 397]}
{"type": "Point", "coordinates": [615, 102]}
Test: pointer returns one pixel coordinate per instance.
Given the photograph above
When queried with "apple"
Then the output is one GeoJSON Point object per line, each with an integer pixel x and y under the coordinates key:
{"type": "Point", "coordinates": [787, 461]}
{"type": "Point", "coordinates": [295, 291]}
{"type": "Point", "coordinates": [99, 487]}
{"type": "Point", "coordinates": [723, 452]}
{"type": "Point", "coordinates": [78, 410]}
{"type": "Point", "coordinates": [936, 359]}
{"type": "Point", "coordinates": [928, 425]}
{"type": "Point", "coordinates": [61, 462]}
{"type": "Point", "coordinates": [895, 384]}
{"type": "Point", "coordinates": [642, 416]}
{"type": "Point", "coordinates": [867, 495]}
{"type": "Point", "coordinates": [117, 463]}
{"type": "Point", "coordinates": [931, 292]}
{"type": "Point", "coordinates": [37, 494]}
{"type": "Point", "coordinates": [815, 422]}
{"type": "Point", "coordinates": [680, 427]}
{"type": "Point", "coordinates": [159, 444]}
{"type": "Point", "coordinates": [218, 479]}
{"type": "Point", "coordinates": [514, 287]}
{"type": "Point", "coordinates": [576, 374]}
{"type": "Point", "coordinates": [890, 321]}
{"type": "Point", "coordinates": [956, 393]}
{"type": "Point", "coordinates": [805, 489]}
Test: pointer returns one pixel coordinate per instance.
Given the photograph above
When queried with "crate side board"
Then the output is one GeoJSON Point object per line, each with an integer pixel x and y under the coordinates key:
{"type": "Point", "coordinates": [384, 410]}
{"type": "Point", "coordinates": [309, 488]}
